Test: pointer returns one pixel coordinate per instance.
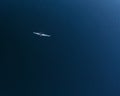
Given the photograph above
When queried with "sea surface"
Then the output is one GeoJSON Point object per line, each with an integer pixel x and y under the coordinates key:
{"type": "Point", "coordinates": [81, 58]}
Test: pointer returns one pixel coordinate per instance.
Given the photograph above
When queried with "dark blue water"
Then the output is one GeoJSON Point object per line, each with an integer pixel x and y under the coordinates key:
{"type": "Point", "coordinates": [81, 58]}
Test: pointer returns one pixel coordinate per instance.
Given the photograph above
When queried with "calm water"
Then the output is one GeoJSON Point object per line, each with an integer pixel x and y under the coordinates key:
{"type": "Point", "coordinates": [81, 58]}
